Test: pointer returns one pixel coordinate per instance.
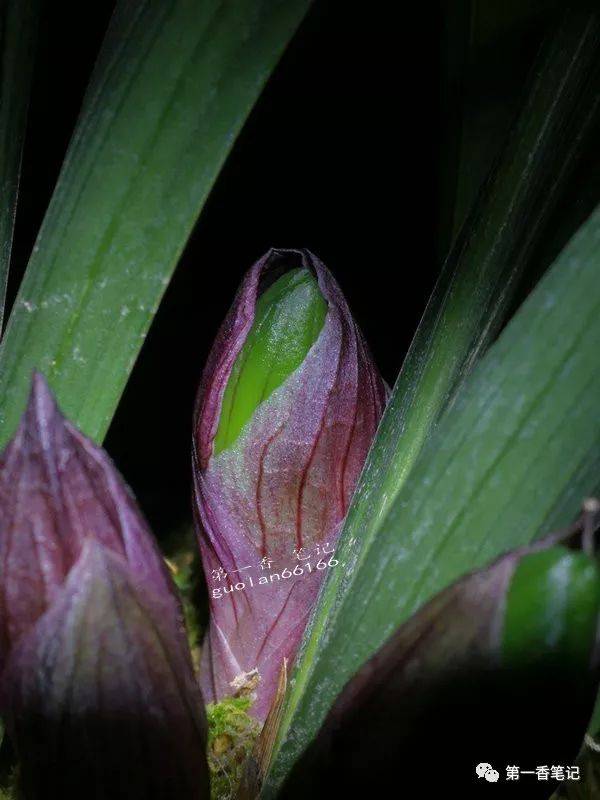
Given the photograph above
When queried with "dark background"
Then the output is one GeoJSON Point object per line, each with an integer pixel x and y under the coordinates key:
{"type": "Point", "coordinates": [350, 151]}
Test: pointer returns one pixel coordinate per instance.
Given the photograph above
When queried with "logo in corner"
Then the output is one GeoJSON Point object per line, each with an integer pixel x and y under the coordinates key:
{"type": "Point", "coordinates": [485, 770]}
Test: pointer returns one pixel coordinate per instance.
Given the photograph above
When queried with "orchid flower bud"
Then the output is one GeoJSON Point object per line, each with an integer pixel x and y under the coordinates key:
{"type": "Point", "coordinates": [288, 406]}
{"type": "Point", "coordinates": [96, 683]}
{"type": "Point", "coordinates": [552, 610]}
{"type": "Point", "coordinates": [506, 659]}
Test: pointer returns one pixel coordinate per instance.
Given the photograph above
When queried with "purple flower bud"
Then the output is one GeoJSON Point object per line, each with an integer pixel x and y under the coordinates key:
{"type": "Point", "coordinates": [97, 685]}
{"type": "Point", "coordinates": [506, 651]}
{"type": "Point", "coordinates": [288, 406]}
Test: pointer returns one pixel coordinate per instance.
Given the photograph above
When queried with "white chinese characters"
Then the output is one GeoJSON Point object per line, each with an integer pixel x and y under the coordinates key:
{"type": "Point", "coordinates": [542, 772]}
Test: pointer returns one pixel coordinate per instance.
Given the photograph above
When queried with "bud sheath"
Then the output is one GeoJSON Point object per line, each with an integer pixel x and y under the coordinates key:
{"type": "Point", "coordinates": [289, 403]}
{"type": "Point", "coordinates": [96, 684]}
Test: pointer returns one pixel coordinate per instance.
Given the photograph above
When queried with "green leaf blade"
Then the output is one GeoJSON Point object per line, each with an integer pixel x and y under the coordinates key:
{"type": "Point", "coordinates": [468, 305]}
{"type": "Point", "coordinates": [478, 281]}
{"type": "Point", "coordinates": [171, 90]}
{"type": "Point", "coordinates": [512, 458]}
{"type": "Point", "coordinates": [18, 33]}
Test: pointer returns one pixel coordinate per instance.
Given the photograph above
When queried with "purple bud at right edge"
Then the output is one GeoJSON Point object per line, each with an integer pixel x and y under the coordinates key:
{"type": "Point", "coordinates": [288, 407]}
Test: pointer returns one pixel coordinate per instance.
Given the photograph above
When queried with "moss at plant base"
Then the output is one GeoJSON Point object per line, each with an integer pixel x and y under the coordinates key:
{"type": "Point", "coordinates": [184, 565]}
{"type": "Point", "coordinates": [9, 791]}
{"type": "Point", "coordinates": [231, 736]}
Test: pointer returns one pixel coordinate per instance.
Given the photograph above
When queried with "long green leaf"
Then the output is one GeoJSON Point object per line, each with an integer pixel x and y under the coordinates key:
{"type": "Point", "coordinates": [173, 85]}
{"type": "Point", "coordinates": [456, 31]}
{"type": "Point", "coordinates": [466, 308]}
{"type": "Point", "coordinates": [18, 27]}
{"type": "Point", "coordinates": [469, 302]}
{"type": "Point", "coordinates": [471, 298]}
{"type": "Point", "coordinates": [495, 71]}
{"type": "Point", "coordinates": [512, 458]}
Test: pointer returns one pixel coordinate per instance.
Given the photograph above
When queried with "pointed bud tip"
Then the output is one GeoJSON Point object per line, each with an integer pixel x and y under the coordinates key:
{"type": "Point", "coordinates": [39, 385]}
{"type": "Point", "coordinates": [41, 405]}
{"type": "Point", "coordinates": [40, 413]}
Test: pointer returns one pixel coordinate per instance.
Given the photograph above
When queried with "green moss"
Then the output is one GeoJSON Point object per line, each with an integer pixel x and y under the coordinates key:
{"type": "Point", "coordinates": [231, 736]}
{"type": "Point", "coordinates": [9, 792]}
{"type": "Point", "coordinates": [184, 565]}
{"type": "Point", "coordinates": [183, 570]}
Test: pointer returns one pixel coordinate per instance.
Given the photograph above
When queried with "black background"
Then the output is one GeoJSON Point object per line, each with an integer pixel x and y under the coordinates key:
{"type": "Point", "coordinates": [347, 153]}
